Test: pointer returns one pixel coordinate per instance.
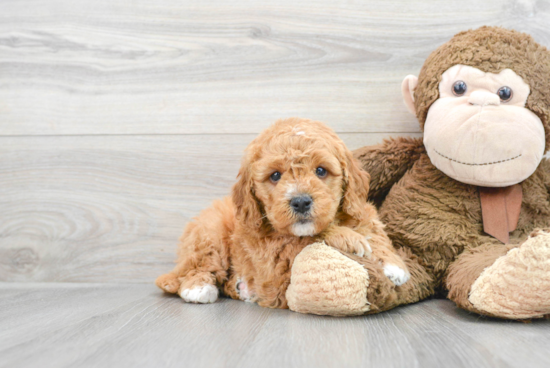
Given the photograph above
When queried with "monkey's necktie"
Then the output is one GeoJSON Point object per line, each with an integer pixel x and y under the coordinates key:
{"type": "Point", "coordinates": [500, 209]}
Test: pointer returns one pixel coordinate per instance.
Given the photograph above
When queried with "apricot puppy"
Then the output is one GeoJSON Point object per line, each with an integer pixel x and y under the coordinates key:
{"type": "Point", "coordinates": [298, 184]}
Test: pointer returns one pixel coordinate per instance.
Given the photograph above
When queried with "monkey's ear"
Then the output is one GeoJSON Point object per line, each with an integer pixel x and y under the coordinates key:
{"type": "Point", "coordinates": [407, 89]}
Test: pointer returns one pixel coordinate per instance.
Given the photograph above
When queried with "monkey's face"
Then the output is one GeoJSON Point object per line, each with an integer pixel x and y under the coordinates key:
{"type": "Point", "coordinates": [479, 131]}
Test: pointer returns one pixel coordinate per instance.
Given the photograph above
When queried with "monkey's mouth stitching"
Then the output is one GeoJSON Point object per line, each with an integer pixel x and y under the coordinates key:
{"type": "Point", "coordinates": [471, 164]}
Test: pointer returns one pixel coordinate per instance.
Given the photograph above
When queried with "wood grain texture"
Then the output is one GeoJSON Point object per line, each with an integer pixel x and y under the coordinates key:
{"type": "Point", "coordinates": [173, 67]}
{"type": "Point", "coordinates": [119, 120]}
{"type": "Point", "coordinates": [98, 325]}
{"type": "Point", "coordinates": [109, 208]}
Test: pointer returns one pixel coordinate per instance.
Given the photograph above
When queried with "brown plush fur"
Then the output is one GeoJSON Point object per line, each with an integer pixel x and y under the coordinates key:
{"type": "Point", "coordinates": [393, 158]}
{"type": "Point", "coordinates": [439, 220]}
{"type": "Point", "coordinates": [466, 269]}
{"type": "Point", "coordinates": [248, 237]}
{"type": "Point", "coordinates": [435, 217]}
{"type": "Point", "coordinates": [330, 282]}
{"type": "Point", "coordinates": [383, 295]}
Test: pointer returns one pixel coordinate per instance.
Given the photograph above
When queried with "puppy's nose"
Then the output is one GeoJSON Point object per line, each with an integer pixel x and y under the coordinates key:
{"type": "Point", "coordinates": [301, 204]}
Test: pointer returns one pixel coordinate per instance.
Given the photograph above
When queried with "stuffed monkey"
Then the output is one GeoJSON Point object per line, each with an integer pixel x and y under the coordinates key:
{"type": "Point", "coordinates": [467, 206]}
{"type": "Point", "coordinates": [471, 200]}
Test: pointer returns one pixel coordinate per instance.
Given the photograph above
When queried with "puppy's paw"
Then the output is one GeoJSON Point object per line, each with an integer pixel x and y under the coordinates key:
{"type": "Point", "coordinates": [362, 247]}
{"type": "Point", "coordinates": [350, 241]}
{"type": "Point", "coordinates": [396, 274]}
{"type": "Point", "coordinates": [200, 294]}
{"type": "Point", "coordinates": [169, 283]}
{"type": "Point", "coordinates": [243, 290]}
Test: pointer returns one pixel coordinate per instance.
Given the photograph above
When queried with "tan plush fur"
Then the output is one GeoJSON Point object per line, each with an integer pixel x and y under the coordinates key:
{"type": "Point", "coordinates": [439, 220]}
{"type": "Point", "coordinates": [324, 281]}
{"type": "Point", "coordinates": [499, 289]}
{"type": "Point", "coordinates": [328, 281]}
{"type": "Point", "coordinates": [249, 238]}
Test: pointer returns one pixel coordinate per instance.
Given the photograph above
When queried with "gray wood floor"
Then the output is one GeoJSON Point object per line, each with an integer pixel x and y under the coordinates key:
{"type": "Point", "coordinates": [135, 325]}
{"type": "Point", "coordinates": [121, 120]}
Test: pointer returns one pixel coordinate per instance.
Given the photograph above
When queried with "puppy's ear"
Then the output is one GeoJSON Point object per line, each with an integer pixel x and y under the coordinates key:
{"type": "Point", "coordinates": [246, 204]}
{"type": "Point", "coordinates": [356, 187]}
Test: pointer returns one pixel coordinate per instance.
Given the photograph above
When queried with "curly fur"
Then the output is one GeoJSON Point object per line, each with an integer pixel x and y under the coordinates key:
{"type": "Point", "coordinates": [249, 237]}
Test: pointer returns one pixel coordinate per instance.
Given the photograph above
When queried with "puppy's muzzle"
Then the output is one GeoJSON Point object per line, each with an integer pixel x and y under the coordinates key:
{"type": "Point", "coordinates": [301, 204]}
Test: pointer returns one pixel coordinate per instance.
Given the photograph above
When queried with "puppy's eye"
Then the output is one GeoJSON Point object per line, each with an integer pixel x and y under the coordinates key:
{"type": "Point", "coordinates": [505, 93]}
{"type": "Point", "coordinates": [275, 177]}
{"type": "Point", "coordinates": [321, 172]}
{"type": "Point", "coordinates": [459, 88]}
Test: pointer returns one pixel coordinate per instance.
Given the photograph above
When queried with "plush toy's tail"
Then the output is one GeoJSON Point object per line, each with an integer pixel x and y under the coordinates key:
{"type": "Point", "coordinates": [387, 163]}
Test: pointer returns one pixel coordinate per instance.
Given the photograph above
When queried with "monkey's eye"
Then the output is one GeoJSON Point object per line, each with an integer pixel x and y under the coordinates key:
{"type": "Point", "coordinates": [459, 88]}
{"type": "Point", "coordinates": [321, 172]}
{"type": "Point", "coordinates": [505, 93]}
{"type": "Point", "coordinates": [275, 177]}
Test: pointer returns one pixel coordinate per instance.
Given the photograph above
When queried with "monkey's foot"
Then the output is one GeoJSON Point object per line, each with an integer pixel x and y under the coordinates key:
{"type": "Point", "coordinates": [517, 285]}
{"type": "Point", "coordinates": [324, 281]}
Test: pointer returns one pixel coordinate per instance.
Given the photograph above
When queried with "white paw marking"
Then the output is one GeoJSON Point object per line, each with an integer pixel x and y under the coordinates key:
{"type": "Point", "coordinates": [243, 291]}
{"type": "Point", "coordinates": [303, 229]}
{"type": "Point", "coordinates": [396, 275]}
{"type": "Point", "coordinates": [200, 294]}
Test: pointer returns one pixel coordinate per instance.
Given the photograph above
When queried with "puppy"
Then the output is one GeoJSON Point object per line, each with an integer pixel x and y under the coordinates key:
{"type": "Point", "coordinates": [298, 184]}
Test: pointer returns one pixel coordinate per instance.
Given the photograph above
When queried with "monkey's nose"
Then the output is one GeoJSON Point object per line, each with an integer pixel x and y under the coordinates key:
{"type": "Point", "coordinates": [301, 204]}
{"type": "Point", "coordinates": [482, 98]}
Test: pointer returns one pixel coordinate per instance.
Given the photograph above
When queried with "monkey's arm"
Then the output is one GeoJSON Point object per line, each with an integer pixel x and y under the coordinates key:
{"type": "Point", "coordinates": [387, 163]}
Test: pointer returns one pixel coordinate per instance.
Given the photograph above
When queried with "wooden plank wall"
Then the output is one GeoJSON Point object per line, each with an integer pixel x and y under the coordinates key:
{"type": "Point", "coordinates": [120, 120]}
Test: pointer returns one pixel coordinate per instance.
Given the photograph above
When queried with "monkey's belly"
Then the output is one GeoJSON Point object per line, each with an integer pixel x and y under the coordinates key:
{"type": "Point", "coordinates": [433, 215]}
